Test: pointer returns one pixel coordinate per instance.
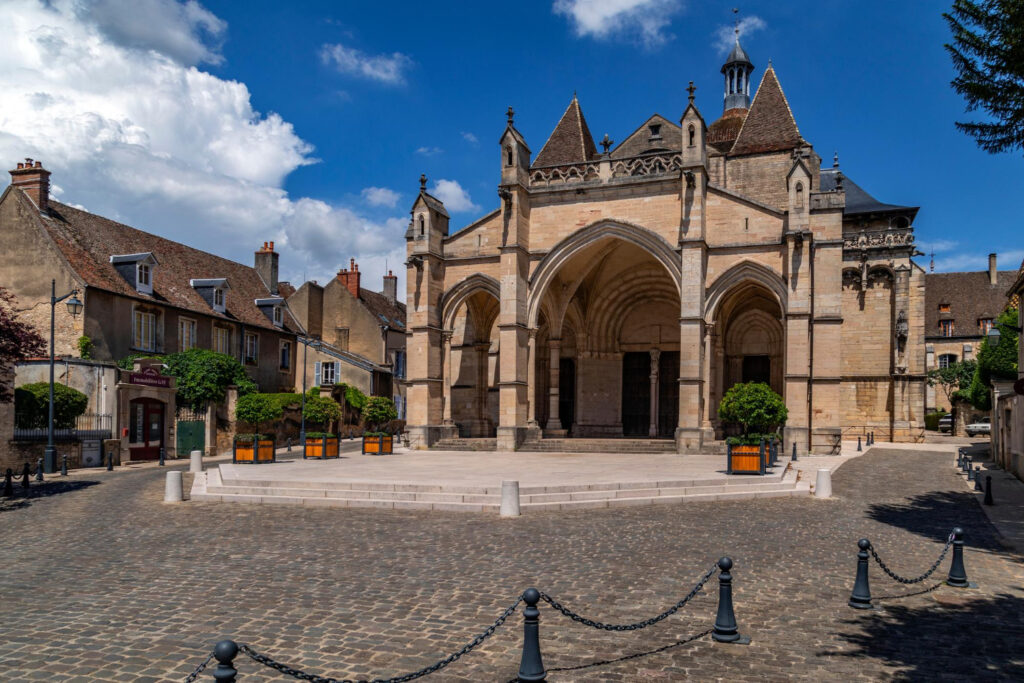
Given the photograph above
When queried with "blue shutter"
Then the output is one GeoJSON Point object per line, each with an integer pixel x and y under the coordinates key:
{"type": "Point", "coordinates": [316, 373]}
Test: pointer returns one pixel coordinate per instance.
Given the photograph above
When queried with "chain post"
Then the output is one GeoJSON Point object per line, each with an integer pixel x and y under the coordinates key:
{"type": "Point", "coordinates": [959, 458]}
{"type": "Point", "coordinates": [24, 476]}
{"type": "Point", "coordinates": [988, 489]}
{"type": "Point", "coordinates": [967, 464]}
{"type": "Point", "coordinates": [970, 470]}
{"type": "Point", "coordinates": [64, 465]}
{"type": "Point", "coordinates": [110, 461]}
{"type": "Point", "coordinates": [531, 666]}
{"type": "Point", "coordinates": [163, 456]}
{"type": "Point", "coordinates": [977, 478]}
{"type": "Point", "coordinates": [726, 630]}
{"type": "Point", "coordinates": [860, 598]}
{"type": "Point", "coordinates": [225, 652]}
{"type": "Point", "coordinates": [794, 452]}
{"type": "Point", "coordinates": [859, 449]}
{"type": "Point", "coordinates": [957, 573]}
{"type": "Point", "coordinates": [9, 483]}
{"type": "Point", "coordinates": [39, 469]}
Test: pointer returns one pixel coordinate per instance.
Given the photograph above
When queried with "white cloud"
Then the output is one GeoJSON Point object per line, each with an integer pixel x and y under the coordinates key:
{"type": "Point", "coordinates": [188, 33]}
{"type": "Point", "coordinates": [429, 151]}
{"type": "Point", "coordinates": [455, 198]}
{"type": "Point", "coordinates": [937, 246]}
{"type": "Point", "coordinates": [470, 138]}
{"type": "Point", "coordinates": [380, 196]}
{"type": "Point", "coordinates": [389, 69]}
{"type": "Point", "coordinates": [644, 21]}
{"type": "Point", "coordinates": [963, 261]}
{"type": "Point", "coordinates": [725, 36]}
{"type": "Point", "coordinates": [140, 136]}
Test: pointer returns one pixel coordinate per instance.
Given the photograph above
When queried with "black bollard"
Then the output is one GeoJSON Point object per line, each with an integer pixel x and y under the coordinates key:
{"type": "Point", "coordinates": [726, 630]}
{"type": "Point", "coordinates": [967, 464]}
{"type": "Point", "coordinates": [531, 667]}
{"type": "Point", "coordinates": [988, 489]}
{"type": "Point", "coordinates": [39, 469]}
{"type": "Point", "coordinates": [957, 573]}
{"type": "Point", "coordinates": [162, 456]}
{"type": "Point", "coordinates": [794, 453]}
{"type": "Point", "coordinates": [860, 598]}
{"type": "Point", "coordinates": [110, 461]}
{"type": "Point", "coordinates": [977, 478]}
{"type": "Point", "coordinates": [24, 476]}
{"type": "Point", "coordinates": [64, 465]}
{"type": "Point", "coordinates": [859, 449]}
{"type": "Point", "coordinates": [970, 471]}
{"type": "Point", "coordinates": [959, 458]}
{"type": "Point", "coordinates": [9, 483]}
{"type": "Point", "coordinates": [289, 444]}
{"type": "Point", "coordinates": [225, 652]}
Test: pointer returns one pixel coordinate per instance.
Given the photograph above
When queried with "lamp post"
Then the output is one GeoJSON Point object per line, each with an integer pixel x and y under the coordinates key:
{"type": "Point", "coordinates": [993, 334]}
{"type": "Point", "coordinates": [74, 307]}
{"type": "Point", "coordinates": [306, 343]}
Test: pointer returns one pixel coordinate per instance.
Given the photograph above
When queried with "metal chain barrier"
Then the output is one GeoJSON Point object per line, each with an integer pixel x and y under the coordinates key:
{"type": "Point", "coordinates": [302, 675]}
{"type": "Point", "coordinates": [896, 577]}
{"type": "Point", "coordinates": [199, 669]}
{"type": "Point", "coordinates": [638, 625]}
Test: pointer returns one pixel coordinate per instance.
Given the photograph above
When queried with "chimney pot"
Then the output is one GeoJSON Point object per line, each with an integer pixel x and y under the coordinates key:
{"type": "Point", "coordinates": [34, 181]}
{"type": "Point", "coordinates": [39, 164]}
{"type": "Point", "coordinates": [271, 246]}
{"type": "Point", "coordinates": [993, 276]}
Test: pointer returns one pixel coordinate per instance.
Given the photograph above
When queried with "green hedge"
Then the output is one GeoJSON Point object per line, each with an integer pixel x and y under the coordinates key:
{"type": "Point", "coordinates": [931, 420]}
{"type": "Point", "coordinates": [32, 405]}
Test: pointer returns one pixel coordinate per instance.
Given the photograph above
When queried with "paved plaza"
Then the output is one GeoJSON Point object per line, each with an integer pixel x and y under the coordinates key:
{"type": "Point", "coordinates": [102, 581]}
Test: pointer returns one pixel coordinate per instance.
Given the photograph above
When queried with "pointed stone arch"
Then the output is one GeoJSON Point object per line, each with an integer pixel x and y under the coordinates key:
{"type": "Point", "coordinates": [745, 272]}
{"type": "Point", "coordinates": [561, 253]}
{"type": "Point", "coordinates": [460, 291]}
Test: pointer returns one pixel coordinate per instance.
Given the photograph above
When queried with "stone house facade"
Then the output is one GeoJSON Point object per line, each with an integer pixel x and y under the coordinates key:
{"type": "Point", "coordinates": [960, 309]}
{"type": "Point", "coordinates": [1007, 436]}
{"type": "Point", "coordinates": [361, 333]}
{"type": "Point", "coordinates": [621, 293]}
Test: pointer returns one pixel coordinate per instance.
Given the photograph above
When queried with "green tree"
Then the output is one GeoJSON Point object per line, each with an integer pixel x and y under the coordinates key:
{"type": "Point", "coordinates": [378, 411]}
{"type": "Point", "coordinates": [994, 362]}
{"type": "Point", "coordinates": [321, 410]}
{"type": "Point", "coordinates": [988, 56]}
{"type": "Point", "coordinates": [953, 377]}
{"type": "Point", "coordinates": [85, 347]}
{"type": "Point", "coordinates": [32, 405]}
{"type": "Point", "coordinates": [257, 409]}
{"type": "Point", "coordinates": [203, 376]}
{"type": "Point", "coordinates": [754, 407]}
{"type": "Point", "coordinates": [18, 340]}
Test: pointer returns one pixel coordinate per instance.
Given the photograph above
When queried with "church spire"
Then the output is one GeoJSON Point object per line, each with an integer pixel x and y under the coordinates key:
{"type": "Point", "coordinates": [737, 70]}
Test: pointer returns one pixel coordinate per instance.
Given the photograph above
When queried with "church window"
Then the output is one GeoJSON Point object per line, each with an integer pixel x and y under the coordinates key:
{"type": "Point", "coordinates": [508, 156]}
{"type": "Point", "coordinates": [946, 328]}
{"type": "Point", "coordinates": [902, 222]}
{"type": "Point", "coordinates": [421, 226]}
{"type": "Point", "coordinates": [947, 359]}
{"type": "Point", "coordinates": [799, 195]}
{"type": "Point", "coordinates": [655, 129]}
{"type": "Point", "coordinates": [693, 134]}
{"type": "Point", "coordinates": [746, 224]}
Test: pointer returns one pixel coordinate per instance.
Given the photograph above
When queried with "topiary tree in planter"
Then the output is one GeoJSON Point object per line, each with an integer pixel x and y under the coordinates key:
{"type": "Point", "coordinates": [321, 410]}
{"type": "Point", "coordinates": [256, 409]}
{"type": "Point", "coordinates": [378, 411]}
{"type": "Point", "coordinates": [758, 410]}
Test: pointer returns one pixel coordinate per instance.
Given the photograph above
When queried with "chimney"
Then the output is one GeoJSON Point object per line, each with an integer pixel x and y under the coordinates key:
{"type": "Point", "coordinates": [993, 276]}
{"type": "Point", "coordinates": [266, 266]}
{"type": "Point", "coordinates": [34, 180]}
{"type": "Point", "coordinates": [391, 287]}
{"type": "Point", "coordinates": [350, 277]}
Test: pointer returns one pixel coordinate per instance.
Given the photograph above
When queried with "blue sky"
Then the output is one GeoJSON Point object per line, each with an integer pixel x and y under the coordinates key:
{"type": "Point", "coordinates": [315, 119]}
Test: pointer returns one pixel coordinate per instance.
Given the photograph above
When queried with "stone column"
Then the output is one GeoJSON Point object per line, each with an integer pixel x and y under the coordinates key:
{"type": "Point", "coordinates": [655, 355]}
{"type": "Point", "coordinates": [709, 349]}
{"type": "Point", "coordinates": [446, 361]}
{"type": "Point", "coordinates": [531, 380]}
{"type": "Point", "coordinates": [482, 366]}
{"type": "Point", "coordinates": [556, 349]}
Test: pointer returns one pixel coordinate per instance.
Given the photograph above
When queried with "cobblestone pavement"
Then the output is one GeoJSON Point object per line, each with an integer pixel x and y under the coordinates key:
{"type": "Point", "coordinates": [104, 582]}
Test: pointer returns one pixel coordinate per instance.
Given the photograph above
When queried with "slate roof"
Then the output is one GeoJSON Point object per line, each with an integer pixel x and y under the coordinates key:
{"type": "Point", "coordinates": [88, 241]}
{"type": "Point", "coordinates": [570, 142]}
{"type": "Point", "coordinates": [769, 125]}
{"type": "Point", "coordinates": [858, 201]}
{"type": "Point", "coordinates": [737, 55]}
{"type": "Point", "coordinates": [970, 297]}
{"type": "Point", "coordinates": [379, 305]}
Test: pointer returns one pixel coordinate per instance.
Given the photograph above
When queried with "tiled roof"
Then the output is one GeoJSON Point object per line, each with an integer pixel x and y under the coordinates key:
{"type": "Point", "coordinates": [769, 126]}
{"type": "Point", "coordinates": [722, 133]}
{"type": "Point", "coordinates": [391, 313]}
{"type": "Point", "coordinates": [640, 140]}
{"type": "Point", "coordinates": [970, 297]}
{"type": "Point", "coordinates": [858, 201]}
{"type": "Point", "coordinates": [88, 241]}
{"type": "Point", "coordinates": [570, 142]}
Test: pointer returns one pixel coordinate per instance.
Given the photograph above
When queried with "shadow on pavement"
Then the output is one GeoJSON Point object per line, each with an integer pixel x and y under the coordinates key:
{"type": "Point", "coordinates": [624, 658]}
{"type": "Point", "coordinates": [933, 515]}
{"type": "Point", "coordinates": [978, 640]}
{"type": "Point", "coordinates": [36, 490]}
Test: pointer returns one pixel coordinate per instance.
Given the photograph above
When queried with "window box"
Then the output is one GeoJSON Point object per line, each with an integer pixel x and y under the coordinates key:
{"type": "Point", "coordinates": [321, 446]}
{"type": "Point", "coordinates": [746, 459]}
{"type": "Point", "coordinates": [378, 444]}
{"type": "Point", "coordinates": [253, 449]}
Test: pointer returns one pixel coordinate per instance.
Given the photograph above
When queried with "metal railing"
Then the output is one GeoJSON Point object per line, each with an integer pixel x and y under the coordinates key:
{"type": "Point", "coordinates": [87, 426]}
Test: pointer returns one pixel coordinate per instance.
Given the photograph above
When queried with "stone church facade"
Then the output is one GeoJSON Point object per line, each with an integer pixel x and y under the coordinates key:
{"type": "Point", "coordinates": [621, 293]}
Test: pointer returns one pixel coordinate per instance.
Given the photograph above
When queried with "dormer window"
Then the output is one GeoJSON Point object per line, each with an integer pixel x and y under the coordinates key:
{"type": "Point", "coordinates": [273, 308]}
{"type": "Point", "coordinates": [136, 269]}
{"type": "Point", "coordinates": [655, 129]}
{"type": "Point", "coordinates": [278, 316]}
{"type": "Point", "coordinates": [213, 291]}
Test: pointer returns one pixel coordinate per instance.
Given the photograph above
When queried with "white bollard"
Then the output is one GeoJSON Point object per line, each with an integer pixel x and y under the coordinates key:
{"type": "Point", "coordinates": [823, 484]}
{"type": "Point", "coordinates": [509, 499]}
{"type": "Point", "coordinates": [195, 461]}
{"type": "Point", "coordinates": [172, 487]}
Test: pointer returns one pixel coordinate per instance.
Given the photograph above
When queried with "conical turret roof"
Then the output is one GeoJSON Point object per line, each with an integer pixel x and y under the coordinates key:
{"type": "Point", "coordinates": [769, 125]}
{"type": "Point", "coordinates": [737, 56]}
{"type": "Point", "coordinates": [570, 142]}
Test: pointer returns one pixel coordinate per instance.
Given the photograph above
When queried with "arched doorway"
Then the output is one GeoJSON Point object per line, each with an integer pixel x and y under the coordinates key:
{"type": "Point", "coordinates": [748, 343]}
{"type": "Point", "coordinates": [608, 342]}
{"type": "Point", "coordinates": [474, 364]}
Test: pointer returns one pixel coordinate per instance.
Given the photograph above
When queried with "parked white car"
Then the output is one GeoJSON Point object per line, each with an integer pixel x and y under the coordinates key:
{"type": "Point", "coordinates": [982, 426]}
{"type": "Point", "coordinates": [946, 423]}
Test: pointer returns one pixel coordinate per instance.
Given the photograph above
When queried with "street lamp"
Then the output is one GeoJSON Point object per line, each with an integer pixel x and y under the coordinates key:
{"type": "Point", "coordinates": [993, 333]}
{"type": "Point", "coordinates": [74, 308]}
{"type": "Point", "coordinates": [306, 343]}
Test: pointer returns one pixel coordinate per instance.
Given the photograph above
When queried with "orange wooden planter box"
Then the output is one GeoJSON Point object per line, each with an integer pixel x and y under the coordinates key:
{"type": "Point", "coordinates": [321, 447]}
{"type": "Point", "coordinates": [746, 460]}
{"type": "Point", "coordinates": [254, 452]}
{"type": "Point", "coordinates": [378, 445]}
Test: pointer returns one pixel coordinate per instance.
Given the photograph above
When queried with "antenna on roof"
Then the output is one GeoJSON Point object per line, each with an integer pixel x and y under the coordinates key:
{"type": "Point", "coordinates": [932, 265]}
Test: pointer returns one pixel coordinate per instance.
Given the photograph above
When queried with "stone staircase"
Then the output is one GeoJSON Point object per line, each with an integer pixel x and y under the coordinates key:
{"type": "Point", "coordinates": [599, 446]}
{"type": "Point", "coordinates": [209, 486]}
{"type": "Point", "coordinates": [469, 444]}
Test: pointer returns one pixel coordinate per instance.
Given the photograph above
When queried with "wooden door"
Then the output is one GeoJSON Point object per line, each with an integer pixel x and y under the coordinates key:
{"type": "Point", "coordinates": [566, 392]}
{"type": "Point", "coordinates": [636, 394]}
{"type": "Point", "coordinates": [668, 393]}
{"type": "Point", "coordinates": [146, 434]}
